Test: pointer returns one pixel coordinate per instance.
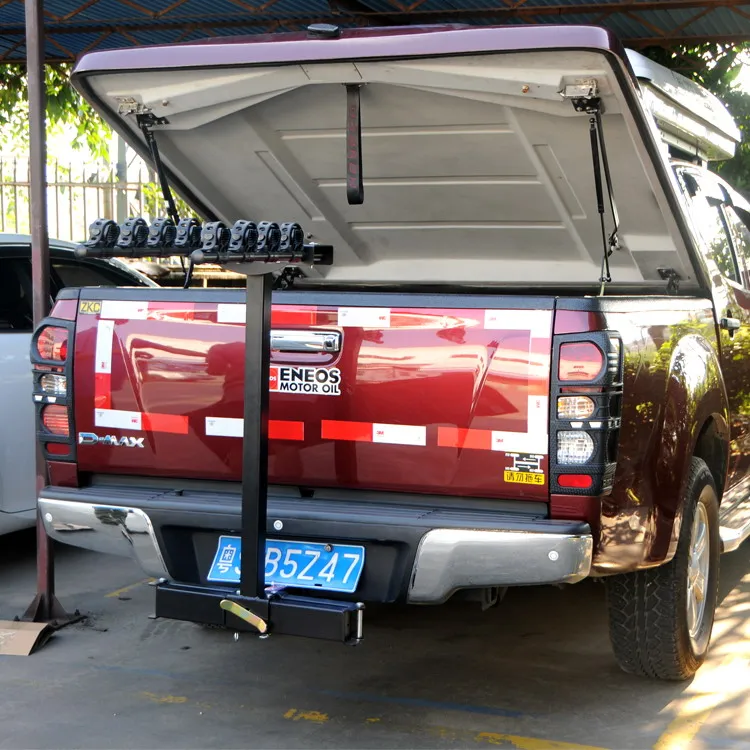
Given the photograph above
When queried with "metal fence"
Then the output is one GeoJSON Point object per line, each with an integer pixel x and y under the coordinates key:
{"type": "Point", "coordinates": [77, 194]}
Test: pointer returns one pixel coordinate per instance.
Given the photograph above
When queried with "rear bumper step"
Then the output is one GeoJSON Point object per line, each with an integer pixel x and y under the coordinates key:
{"type": "Point", "coordinates": [439, 553]}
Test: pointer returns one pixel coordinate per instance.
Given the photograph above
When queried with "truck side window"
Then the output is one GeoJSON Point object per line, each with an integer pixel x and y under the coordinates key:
{"type": "Point", "coordinates": [707, 217]}
{"type": "Point", "coordinates": [741, 239]}
{"type": "Point", "coordinates": [15, 296]}
{"type": "Point", "coordinates": [75, 273]}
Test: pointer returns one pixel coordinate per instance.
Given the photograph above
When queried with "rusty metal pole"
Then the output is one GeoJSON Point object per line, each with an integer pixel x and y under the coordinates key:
{"type": "Point", "coordinates": [45, 607]}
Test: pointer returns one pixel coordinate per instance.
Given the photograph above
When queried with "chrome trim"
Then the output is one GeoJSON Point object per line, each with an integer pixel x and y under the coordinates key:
{"type": "Point", "coordinates": [306, 341]}
{"type": "Point", "coordinates": [110, 529]}
{"type": "Point", "coordinates": [451, 559]}
{"type": "Point", "coordinates": [731, 539]}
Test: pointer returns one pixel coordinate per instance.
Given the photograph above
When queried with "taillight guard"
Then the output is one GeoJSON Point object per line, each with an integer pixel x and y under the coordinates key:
{"type": "Point", "coordinates": [52, 366]}
{"type": "Point", "coordinates": [572, 411]}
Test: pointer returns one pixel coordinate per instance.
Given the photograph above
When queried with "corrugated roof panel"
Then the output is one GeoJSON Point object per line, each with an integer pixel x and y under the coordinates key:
{"type": "Point", "coordinates": [74, 25]}
{"type": "Point", "coordinates": [11, 15]}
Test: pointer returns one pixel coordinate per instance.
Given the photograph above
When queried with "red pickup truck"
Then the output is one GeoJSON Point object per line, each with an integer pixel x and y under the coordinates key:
{"type": "Point", "coordinates": [527, 365]}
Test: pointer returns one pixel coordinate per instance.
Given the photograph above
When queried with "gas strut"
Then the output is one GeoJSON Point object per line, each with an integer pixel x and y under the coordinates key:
{"type": "Point", "coordinates": [146, 121]}
{"type": "Point", "coordinates": [585, 98]}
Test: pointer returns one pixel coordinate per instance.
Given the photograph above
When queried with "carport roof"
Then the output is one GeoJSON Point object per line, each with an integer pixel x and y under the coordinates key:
{"type": "Point", "coordinates": [76, 26]}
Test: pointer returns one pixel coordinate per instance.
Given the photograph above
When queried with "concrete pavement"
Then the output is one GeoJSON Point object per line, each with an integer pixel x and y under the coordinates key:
{"type": "Point", "coordinates": [534, 673]}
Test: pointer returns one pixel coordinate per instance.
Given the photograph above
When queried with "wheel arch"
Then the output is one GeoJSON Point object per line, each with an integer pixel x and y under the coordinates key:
{"type": "Point", "coordinates": [696, 424]}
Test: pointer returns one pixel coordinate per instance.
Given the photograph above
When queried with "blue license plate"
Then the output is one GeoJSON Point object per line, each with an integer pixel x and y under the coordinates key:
{"type": "Point", "coordinates": [306, 565]}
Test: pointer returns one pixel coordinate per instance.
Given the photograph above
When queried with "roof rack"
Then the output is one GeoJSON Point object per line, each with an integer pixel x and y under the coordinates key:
{"type": "Point", "coordinates": [690, 118]}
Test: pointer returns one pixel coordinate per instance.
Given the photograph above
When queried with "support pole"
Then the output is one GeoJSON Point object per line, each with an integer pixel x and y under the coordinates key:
{"type": "Point", "coordinates": [122, 179]}
{"type": "Point", "coordinates": [37, 158]}
{"type": "Point", "coordinates": [255, 444]}
{"type": "Point", "coordinates": [44, 607]}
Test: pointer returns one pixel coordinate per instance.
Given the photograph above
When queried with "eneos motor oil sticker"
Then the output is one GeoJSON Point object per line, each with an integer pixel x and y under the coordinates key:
{"type": "Point", "coordinates": [320, 381]}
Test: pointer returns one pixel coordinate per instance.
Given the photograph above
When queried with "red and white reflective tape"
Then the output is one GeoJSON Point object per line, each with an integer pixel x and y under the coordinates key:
{"type": "Point", "coordinates": [287, 315]}
{"type": "Point", "coordinates": [113, 309]}
{"type": "Point", "coordinates": [278, 429]}
{"type": "Point", "coordinates": [373, 432]}
{"type": "Point", "coordinates": [364, 317]}
{"type": "Point", "coordinates": [231, 313]}
{"type": "Point", "coordinates": [103, 364]}
{"type": "Point", "coordinates": [175, 424]}
{"type": "Point", "coordinates": [104, 414]}
{"type": "Point", "coordinates": [535, 440]}
{"type": "Point", "coordinates": [537, 322]}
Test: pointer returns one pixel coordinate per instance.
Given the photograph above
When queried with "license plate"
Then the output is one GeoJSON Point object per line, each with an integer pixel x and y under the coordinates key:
{"type": "Point", "coordinates": [306, 565]}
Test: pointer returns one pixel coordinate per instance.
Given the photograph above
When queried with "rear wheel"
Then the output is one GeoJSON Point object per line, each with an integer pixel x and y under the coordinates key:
{"type": "Point", "coordinates": [660, 620]}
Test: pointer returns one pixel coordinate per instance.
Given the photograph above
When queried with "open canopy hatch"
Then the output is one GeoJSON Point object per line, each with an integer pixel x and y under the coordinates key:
{"type": "Point", "coordinates": [475, 164]}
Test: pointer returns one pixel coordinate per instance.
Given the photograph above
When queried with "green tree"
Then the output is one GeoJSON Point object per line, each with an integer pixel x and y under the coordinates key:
{"type": "Point", "coordinates": [64, 107]}
{"type": "Point", "coordinates": [717, 66]}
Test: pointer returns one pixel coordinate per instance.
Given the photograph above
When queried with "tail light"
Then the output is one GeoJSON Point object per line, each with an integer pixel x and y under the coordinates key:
{"type": "Point", "coordinates": [54, 384]}
{"type": "Point", "coordinates": [57, 449]}
{"type": "Point", "coordinates": [55, 419]}
{"type": "Point", "coordinates": [576, 481]}
{"type": "Point", "coordinates": [53, 377]}
{"type": "Point", "coordinates": [580, 361]}
{"type": "Point", "coordinates": [586, 390]}
{"type": "Point", "coordinates": [575, 407]}
{"type": "Point", "coordinates": [52, 344]}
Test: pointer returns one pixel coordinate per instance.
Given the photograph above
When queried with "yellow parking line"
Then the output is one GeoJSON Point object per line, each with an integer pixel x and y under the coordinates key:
{"type": "Point", "coordinates": [124, 589]}
{"type": "Point", "coordinates": [317, 717]}
{"type": "Point", "coordinates": [157, 698]}
{"type": "Point", "coordinates": [448, 733]}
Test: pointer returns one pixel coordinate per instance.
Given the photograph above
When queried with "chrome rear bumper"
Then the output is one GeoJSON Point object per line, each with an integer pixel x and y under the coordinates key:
{"type": "Point", "coordinates": [112, 530]}
{"type": "Point", "coordinates": [446, 559]}
{"type": "Point", "coordinates": [452, 559]}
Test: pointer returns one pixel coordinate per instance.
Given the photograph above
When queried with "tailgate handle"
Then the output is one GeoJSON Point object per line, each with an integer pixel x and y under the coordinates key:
{"type": "Point", "coordinates": [306, 341]}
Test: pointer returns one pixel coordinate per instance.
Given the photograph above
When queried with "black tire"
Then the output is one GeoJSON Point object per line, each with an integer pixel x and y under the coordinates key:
{"type": "Point", "coordinates": [648, 609]}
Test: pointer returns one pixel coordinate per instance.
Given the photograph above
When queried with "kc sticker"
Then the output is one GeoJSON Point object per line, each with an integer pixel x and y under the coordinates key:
{"type": "Point", "coordinates": [89, 307]}
{"type": "Point", "coordinates": [320, 381]}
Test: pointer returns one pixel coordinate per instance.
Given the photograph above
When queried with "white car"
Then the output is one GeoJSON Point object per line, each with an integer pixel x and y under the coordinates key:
{"type": "Point", "coordinates": [17, 439]}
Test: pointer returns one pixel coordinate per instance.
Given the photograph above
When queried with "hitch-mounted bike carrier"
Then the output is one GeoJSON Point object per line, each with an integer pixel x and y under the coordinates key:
{"type": "Point", "coordinates": [257, 253]}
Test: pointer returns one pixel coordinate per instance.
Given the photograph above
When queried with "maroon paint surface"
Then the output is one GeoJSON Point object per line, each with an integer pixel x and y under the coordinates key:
{"type": "Point", "coordinates": [432, 367]}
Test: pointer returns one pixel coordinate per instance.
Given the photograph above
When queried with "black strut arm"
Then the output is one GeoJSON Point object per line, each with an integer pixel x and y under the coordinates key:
{"type": "Point", "coordinates": [600, 162]}
{"type": "Point", "coordinates": [606, 276]}
{"type": "Point", "coordinates": [146, 123]}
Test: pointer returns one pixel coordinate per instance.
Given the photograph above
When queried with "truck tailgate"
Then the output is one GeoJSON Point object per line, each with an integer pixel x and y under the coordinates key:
{"type": "Point", "coordinates": [446, 395]}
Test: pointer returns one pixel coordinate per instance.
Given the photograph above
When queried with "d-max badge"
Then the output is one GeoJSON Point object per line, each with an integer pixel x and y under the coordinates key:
{"type": "Point", "coordinates": [91, 438]}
